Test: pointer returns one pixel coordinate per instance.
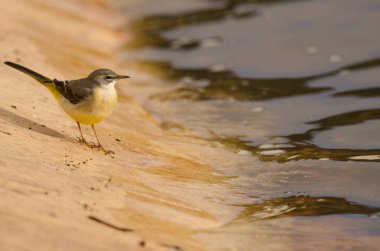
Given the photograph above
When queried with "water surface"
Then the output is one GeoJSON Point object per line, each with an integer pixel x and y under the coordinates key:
{"type": "Point", "coordinates": [292, 89]}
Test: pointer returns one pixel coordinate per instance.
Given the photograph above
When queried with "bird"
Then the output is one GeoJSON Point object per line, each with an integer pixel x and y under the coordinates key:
{"type": "Point", "coordinates": [87, 100]}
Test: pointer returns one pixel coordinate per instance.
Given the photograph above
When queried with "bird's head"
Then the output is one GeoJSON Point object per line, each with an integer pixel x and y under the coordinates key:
{"type": "Point", "coordinates": [105, 76]}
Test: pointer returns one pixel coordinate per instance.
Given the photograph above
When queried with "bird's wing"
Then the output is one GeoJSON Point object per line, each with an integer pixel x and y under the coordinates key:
{"type": "Point", "coordinates": [75, 91]}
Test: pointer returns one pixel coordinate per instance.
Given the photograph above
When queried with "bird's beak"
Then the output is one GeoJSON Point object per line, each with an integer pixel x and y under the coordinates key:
{"type": "Point", "coordinates": [121, 77]}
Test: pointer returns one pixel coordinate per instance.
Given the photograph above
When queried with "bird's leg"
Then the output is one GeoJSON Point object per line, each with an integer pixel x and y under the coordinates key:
{"type": "Point", "coordinates": [100, 145]}
{"type": "Point", "coordinates": [81, 134]}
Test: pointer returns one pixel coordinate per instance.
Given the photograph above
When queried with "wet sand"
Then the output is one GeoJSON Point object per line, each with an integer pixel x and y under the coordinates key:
{"type": "Point", "coordinates": [57, 194]}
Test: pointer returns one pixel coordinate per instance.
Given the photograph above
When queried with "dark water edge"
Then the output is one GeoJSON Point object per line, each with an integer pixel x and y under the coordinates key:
{"type": "Point", "coordinates": [202, 84]}
{"type": "Point", "coordinates": [301, 113]}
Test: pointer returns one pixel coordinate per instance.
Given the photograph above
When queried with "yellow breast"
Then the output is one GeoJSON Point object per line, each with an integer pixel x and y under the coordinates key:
{"type": "Point", "coordinates": [95, 108]}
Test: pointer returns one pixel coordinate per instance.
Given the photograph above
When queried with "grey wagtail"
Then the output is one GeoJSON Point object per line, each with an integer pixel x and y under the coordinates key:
{"type": "Point", "coordinates": [87, 100]}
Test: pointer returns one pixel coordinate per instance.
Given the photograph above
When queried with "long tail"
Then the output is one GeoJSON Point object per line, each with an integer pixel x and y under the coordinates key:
{"type": "Point", "coordinates": [47, 82]}
{"type": "Point", "coordinates": [40, 78]}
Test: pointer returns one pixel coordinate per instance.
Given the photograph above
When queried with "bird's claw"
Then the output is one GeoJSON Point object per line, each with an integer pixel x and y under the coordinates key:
{"type": "Point", "coordinates": [89, 144]}
{"type": "Point", "coordinates": [82, 140]}
{"type": "Point", "coordinates": [93, 145]}
{"type": "Point", "coordinates": [105, 150]}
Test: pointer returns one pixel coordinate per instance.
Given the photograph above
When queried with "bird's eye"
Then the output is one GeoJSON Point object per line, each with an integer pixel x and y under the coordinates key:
{"type": "Point", "coordinates": [108, 77]}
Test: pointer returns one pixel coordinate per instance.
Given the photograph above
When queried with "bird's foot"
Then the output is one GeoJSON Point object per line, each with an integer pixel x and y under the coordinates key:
{"type": "Point", "coordinates": [105, 150]}
{"type": "Point", "coordinates": [93, 145]}
{"type": "Point", "coordinates": [83, 141]}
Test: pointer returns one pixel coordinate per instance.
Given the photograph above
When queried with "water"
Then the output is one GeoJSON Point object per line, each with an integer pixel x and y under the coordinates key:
{"type": "Point", "coordinates": [291, 89]}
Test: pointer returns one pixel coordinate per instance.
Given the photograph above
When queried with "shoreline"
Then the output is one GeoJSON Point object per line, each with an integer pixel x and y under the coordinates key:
{"type": "Point", "coordinates": [58, 194]}
{"type": "Point", "coordinates": [163, 189]}
{"type": "Point", "coordinates": [52, 186]}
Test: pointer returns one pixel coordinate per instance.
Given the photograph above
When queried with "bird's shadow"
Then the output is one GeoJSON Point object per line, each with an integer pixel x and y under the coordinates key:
{"type": "Point", "coordinates": [28, 124]}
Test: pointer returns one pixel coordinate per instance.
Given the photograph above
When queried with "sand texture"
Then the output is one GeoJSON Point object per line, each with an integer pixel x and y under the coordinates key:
{"type": "Point", "coordinates": [56, 193]}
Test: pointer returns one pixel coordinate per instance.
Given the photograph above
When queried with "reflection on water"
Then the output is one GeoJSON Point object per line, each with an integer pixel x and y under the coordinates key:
{"type": "Point", "coordinates": [300, 146]}
{"type": "Point", "coordinates": [220, 83]}
{"type": "Point", "coordinates": [224, 84]}
{"type": "Point", "coordinates": [147, 30]}
{"type": "Point", "coordinates": [370, 92]}
{"type": "Point", "coordinates": [291, 85]}
{"type": "Point", "coordinates": [304, 206]}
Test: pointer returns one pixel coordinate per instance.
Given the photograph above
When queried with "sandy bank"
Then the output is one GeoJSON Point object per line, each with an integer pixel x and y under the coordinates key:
{"type": "Point", "coordinates": [53, 188]}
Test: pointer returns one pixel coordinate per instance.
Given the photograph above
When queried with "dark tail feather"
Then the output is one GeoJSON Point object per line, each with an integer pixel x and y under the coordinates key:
{"type": "Point", "coordinates": [40, 78]}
